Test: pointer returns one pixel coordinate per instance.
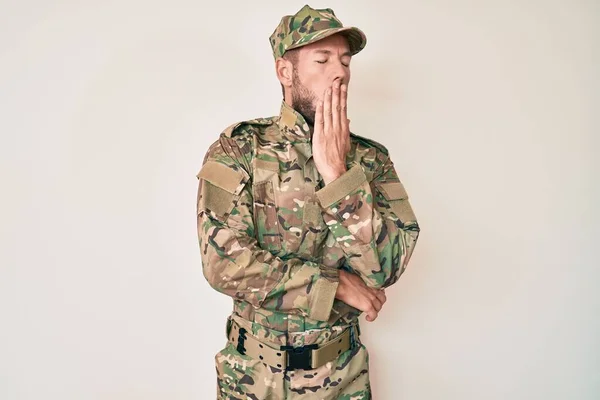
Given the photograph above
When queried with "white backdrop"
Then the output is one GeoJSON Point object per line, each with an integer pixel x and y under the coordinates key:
{"type": "Point", "coordinates": [107, 109]}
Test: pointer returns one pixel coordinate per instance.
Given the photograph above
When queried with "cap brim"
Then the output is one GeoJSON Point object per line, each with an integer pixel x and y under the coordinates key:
{"type": "Point", "coordinates": [357, 40]}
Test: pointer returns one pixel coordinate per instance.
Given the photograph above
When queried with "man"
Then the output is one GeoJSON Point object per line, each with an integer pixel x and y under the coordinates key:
{"type": "Point", "coordinates": [303, 224]}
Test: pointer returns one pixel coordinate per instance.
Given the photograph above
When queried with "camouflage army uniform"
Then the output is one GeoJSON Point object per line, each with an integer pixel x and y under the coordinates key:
{"type": "Point", "coordinates": [273, 237]}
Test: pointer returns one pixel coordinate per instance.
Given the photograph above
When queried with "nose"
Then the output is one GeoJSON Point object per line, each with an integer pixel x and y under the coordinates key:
{"type": "Point", "coordinates": [342, 73]}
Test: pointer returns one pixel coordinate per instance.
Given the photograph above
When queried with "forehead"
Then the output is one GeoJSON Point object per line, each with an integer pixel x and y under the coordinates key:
{"type": "Point", "coordinates": [336, 44]}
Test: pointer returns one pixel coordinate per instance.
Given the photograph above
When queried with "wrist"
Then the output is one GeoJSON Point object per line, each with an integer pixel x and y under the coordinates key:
{"type": "Point", "coordinates": [341, 288]}
{"type": "Point", "coordinates": [334, 174]}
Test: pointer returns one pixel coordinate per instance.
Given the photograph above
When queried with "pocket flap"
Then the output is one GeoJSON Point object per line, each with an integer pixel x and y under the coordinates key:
{"type": "Point", "coordinates": [264, 170]}
{"type": "Point", "coordinates": [266, 164]}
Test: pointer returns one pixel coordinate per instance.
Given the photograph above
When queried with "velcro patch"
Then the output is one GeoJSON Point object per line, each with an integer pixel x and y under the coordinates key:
{"type": "Point", "coordinates": [222, 176]}
{"type": "Point", "coordinates": [393, 190]}
{"type": "Point", "coordinates": [219, 185]}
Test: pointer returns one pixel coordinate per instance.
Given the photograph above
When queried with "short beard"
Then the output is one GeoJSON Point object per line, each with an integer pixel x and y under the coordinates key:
{"type": "Point", "coordinates": [303, 99]}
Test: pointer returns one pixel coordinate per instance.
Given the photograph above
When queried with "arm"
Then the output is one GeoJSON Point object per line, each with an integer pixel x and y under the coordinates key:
{"type": "Point", "coordinates": [373, 222]}
{"type": "Point", "coordinates": [233, 262]}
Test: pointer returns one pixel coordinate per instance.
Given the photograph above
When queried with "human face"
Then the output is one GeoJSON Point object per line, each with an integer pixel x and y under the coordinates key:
{"type": "Point", "coordinates": [318, 66]}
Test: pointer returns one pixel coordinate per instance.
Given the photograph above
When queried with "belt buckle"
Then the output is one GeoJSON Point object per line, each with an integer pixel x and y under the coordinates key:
{"type": "Point", "coordinates": [299, 357]}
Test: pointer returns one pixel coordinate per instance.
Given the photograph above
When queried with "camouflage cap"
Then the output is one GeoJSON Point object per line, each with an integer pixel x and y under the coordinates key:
{"type": "Point", "coordinates": [309, 25]}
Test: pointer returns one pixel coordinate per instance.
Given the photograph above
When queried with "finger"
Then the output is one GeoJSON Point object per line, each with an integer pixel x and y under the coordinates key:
{"type": "Point", "coordinates": [374, 301]}
{"type": "Point", "coordinates": [382, 297]}
{"type": "Point", "coordinates": [377, 303]}
{"type": "Point", "coordinates": [327, 111]}
{"type": "Point", "coordinates": [345, 122]}
{"type": "Point", "coordinates": [319, 117]}
{"type": "Point", "coordinates": [349, 142]}
{"type": "Point", "coordinates": [336, 107]}
{"type": "Point", "coordinates": [371, 315]}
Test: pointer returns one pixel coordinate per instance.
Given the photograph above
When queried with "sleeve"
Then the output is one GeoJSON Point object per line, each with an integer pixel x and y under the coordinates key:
{"type": "Point", "coordinates": [372, 221]}
{"type": "Point", "coordinates": [233, 262]}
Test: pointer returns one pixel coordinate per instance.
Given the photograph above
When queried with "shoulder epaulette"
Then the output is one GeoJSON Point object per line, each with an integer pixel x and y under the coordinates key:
{"type": "Point", "coordinates": [230, 131]}
{"type": "Point", "coordinates": [370, 143]}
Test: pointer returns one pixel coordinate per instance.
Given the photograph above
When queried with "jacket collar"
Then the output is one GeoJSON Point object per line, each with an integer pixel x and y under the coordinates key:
{"type": "Point", "coordinates": [292, 124]}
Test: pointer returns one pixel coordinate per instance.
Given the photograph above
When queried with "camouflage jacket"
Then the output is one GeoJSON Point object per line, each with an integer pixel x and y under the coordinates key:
{"type": "Point", "coordinates": [273, 236]}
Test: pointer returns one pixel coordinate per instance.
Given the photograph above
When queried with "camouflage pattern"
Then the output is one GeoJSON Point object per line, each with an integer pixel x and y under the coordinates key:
{"type": "Point", "coordinates": [309, 25]}
{"type": "Point", "coordinates": [241, 377]}
{"type": "Point", "coordinates": [273, 237]}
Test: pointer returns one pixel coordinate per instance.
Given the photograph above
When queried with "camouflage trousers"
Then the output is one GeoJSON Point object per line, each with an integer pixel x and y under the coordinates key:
{"type": "Point", "coordinates": [240, 377]}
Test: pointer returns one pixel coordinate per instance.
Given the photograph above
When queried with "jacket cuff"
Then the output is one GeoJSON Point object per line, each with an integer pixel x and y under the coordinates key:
{"type": "Point", "coordinates": [322, 298]}
{"type": "Point", "coordinates": [342, 186]}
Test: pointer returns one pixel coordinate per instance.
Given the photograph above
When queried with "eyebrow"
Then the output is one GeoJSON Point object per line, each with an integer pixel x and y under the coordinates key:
{"type": "Point", "coordinates": [328, 52]}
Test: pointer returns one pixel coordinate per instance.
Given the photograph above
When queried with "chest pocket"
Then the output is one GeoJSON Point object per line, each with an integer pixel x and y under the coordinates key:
{"type": "Point", "coordinates": [314, 231]}
{"type": "Point", "coordinates": [265, 181]}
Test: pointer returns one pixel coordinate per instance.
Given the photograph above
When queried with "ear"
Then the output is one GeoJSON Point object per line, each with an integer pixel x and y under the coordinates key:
{"type": "Point", "coordinates": [284, 70]}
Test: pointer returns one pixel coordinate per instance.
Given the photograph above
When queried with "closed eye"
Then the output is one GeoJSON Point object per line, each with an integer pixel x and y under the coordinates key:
{"type": "Point", "coordinates": [324, 61]}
